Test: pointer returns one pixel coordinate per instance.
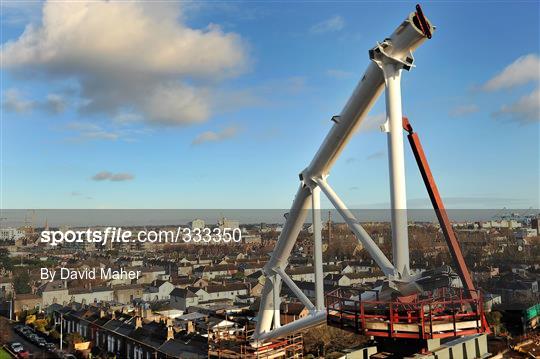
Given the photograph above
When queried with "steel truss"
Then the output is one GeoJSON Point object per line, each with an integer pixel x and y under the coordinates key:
{"type": "Point", "coordinates": [389, 58]}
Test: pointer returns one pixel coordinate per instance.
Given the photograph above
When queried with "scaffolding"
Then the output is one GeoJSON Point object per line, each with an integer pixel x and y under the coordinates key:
{"type": "Point", "coordinates": [442, 313]}
{"type": "Point", "coordinates": [237, 344]}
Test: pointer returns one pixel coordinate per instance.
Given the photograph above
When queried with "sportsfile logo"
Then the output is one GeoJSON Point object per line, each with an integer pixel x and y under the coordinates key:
{"type": "Point", "coordinates": [119, 235]}
{"type": "Point", "coordinates": [112, 234]}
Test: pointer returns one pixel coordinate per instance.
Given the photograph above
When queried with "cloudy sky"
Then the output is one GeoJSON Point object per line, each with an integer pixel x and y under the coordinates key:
{"type": "Point", "coordinates": [222, 104]}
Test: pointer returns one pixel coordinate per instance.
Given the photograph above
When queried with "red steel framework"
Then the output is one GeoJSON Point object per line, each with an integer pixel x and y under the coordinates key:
{"type": "Point", "coordinates": [443, 313]}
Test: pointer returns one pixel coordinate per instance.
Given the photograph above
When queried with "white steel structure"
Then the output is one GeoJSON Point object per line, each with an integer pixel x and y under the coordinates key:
{"type": "Point", "coordinates": [389, 58]}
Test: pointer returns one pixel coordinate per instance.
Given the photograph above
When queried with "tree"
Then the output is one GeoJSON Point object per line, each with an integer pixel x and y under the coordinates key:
{"type": "Point", "coordinates": [41, 325]}
{"type": "Point", "coordinates": [54, 334]}
{"type": "Point", "coordinates": [74, 338]}
{"type": "Point", "coordinates": [494, 320]}
{"type": "Point", "coordinates": [324, 339]}
{"type": "Point", "coordinates": [21, 283]}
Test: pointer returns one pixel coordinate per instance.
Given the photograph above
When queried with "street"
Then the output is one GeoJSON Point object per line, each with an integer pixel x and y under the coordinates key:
{"type": "Point", "coordinates": [9, 336]}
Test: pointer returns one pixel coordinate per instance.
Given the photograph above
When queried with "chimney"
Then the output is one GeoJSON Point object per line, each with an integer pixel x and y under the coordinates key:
{"type": "Point", "coordinates": [102, 313]}
{"type": "Point", "coordinates": [138, 322]}
{"type": "Point", "coordinates": [113, 315]}
{"type": "Point", "coordinates": [190, 327]}
{"type": "Point", "coordinates": [170, 333]}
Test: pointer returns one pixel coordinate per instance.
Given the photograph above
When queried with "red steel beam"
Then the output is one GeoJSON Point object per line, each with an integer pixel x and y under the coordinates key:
{"type": "Point", "coordinates": [444, 221]}
{"type": "Point", "coordinates": [438, 206]}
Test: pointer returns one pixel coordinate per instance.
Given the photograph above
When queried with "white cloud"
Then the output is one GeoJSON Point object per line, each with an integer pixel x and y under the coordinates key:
{"type": "Point", "coordinates": [372, 122]}
{"type": "Point", "coordinates": [525, 110]}
{"type": "Point", "coordinates": [376, 155]}
{"type": "Point", "coordinates": [212, 136]}
{"type": "Point", "coordinates": [132, 55]}
{"type": "Point", "coordinates": [464, 110]}
{"type": "Point", "coordinates": [55, 103]}
{"type": "Point", "coordinates": [115, 177]}
{"type": "Point", "coordinates": [167, 103]}
{"type": "Point", "coordinates": [85, 131]}
{"type": "Point", "coordinates": [293, 85]}
{"type": "Point", "coordinates": [100, 135]}
{"type": "Point", "coordinates": [332, 24]}
{"type": "Point", "coordinates": [373, 156]}
{"type": "Point", "coordinates": [126, 118]}
{"type": "Point", "coordinates": [89, 131]}
{"type": "Point", "coordinates": [119, 177]}
{"type": "Point", "coordinates": [524, 70]}
{"type": "Point", "coordinates": [14, 101]}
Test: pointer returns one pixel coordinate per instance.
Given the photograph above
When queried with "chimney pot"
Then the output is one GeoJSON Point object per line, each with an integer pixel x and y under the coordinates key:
{"type": "Point", "coordinates": [190, 327]}
{"type": "Point", "coordinates": [170, 333]}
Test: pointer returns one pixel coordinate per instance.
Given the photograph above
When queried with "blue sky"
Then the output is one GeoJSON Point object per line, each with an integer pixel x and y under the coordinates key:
{"type": "Point", "coordinates": [222, 104]}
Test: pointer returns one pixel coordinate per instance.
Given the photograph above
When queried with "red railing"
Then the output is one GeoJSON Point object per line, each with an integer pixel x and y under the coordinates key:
{"type": "Point", "coordinates": [443, 313]}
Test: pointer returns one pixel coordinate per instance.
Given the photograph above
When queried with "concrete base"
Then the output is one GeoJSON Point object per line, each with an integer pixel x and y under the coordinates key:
{"type": "Point", "coordinates": [469, 347]}
{"type": "Point", "coordinates": [362, 353]}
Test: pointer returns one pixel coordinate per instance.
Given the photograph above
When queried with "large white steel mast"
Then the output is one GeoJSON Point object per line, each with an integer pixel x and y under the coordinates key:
{"type": "Point", "coordinates": [389, 58]}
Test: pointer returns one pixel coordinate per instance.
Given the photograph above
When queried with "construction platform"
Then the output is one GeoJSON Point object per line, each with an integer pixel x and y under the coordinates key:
{"type": "Point", "coordinates": [238, 345]}
{"type": "Point", "coordinates": [442, 313]}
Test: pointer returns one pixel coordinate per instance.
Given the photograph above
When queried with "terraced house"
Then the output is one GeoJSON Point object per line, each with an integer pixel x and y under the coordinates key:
{"type": "Point", "coordinates": [131, 337]}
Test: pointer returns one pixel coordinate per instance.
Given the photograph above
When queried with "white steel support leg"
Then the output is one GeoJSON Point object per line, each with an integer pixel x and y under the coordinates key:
{"type": "Point", "coordinates": [280, 256]}
{"type": "Point", "coordinates": [364, 238]}
{"type": "Point", "coordinates": [297, 291]}
{"type": "Point", "coordinates": [277, 301]}
{"type": "Point", "coordinates": [266, 309]}
{"type": "Point", "coordinates": [317, 245]}
{"type": "Point", "coordinates": [398, 194]}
